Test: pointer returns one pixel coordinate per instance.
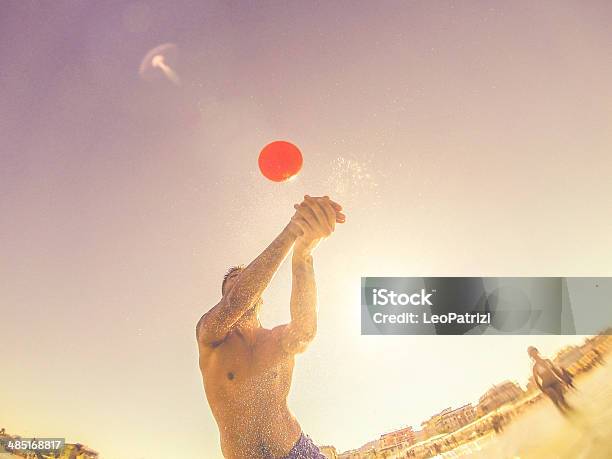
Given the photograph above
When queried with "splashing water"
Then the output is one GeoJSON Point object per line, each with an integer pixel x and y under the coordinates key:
{"type": "Point", "coordinates": [351, 178]}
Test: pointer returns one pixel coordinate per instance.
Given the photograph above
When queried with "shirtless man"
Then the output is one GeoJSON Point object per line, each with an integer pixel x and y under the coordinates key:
{"type": "Point", "coordinates": [549, 379]}
{"type": "Point", "coordinates": [246, 368]}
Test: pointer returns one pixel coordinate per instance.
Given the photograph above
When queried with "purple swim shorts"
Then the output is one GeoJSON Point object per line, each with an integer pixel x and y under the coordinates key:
{"type": "Point", "coordinates": [304, 449]}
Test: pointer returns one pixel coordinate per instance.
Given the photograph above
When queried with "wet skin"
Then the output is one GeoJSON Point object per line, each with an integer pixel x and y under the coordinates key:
{"type": "Point", "coordinates": [247, 369]}
{"type": "Point", "coordinates": [247, 384]}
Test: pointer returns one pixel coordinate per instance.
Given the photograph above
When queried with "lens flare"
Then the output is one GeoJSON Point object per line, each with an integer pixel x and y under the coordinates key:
{"type": "Point", "coordinates": [160, 61]}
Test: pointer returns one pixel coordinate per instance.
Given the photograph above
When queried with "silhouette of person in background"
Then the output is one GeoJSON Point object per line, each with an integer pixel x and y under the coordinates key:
{"type": "Point", "coordinates": [549, 379]}
{"type": "Point", "coordinates": [568, 378]}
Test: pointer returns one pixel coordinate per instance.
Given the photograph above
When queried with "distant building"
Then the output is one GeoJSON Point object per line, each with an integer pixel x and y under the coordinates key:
{"type": "Point", "coordinates": [452, 420]}
{"type": "Point", "coordinates": [396, 438]}
{"type": "Point", "coordinates": [329, 452]}
{"type": "Point", "coordinates": [78, 451]}
{"type": "Point", "coordinates": [350, 454]}
{"type": "Point", "coordinates": [419, 435]}
{"type": "Point", "coordinates": [499, 395]}
{"type": "Point", "coordinates": [365, 452]}
{"type": "Point", "coordinates": [432, 426]}
{"type": "Point", "coordinates": [578, 358]}
{"type": "Point", "coordinates": [531, 386]}
{"type": "Point", "coordinates": [569, 358]}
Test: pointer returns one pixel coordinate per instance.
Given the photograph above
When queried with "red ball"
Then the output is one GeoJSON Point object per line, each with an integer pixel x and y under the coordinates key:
{"type": "Point", "coordinates": [280, 161]}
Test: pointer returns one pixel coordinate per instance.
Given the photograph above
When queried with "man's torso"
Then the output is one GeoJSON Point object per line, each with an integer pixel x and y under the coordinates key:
{"type": "Point", "coordinates": [546, 373]}
{"type": "Point", "coordinates": [247, 387]}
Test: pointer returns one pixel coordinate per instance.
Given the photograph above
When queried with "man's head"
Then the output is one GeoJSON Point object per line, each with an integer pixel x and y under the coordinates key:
{"type": "Point", "coordinates": [533, 352]}
{"type": "Point", "coordinates": [230, 278]}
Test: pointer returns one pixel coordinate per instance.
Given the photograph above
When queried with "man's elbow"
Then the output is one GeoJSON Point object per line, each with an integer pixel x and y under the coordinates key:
{"type": "Point", "coordinates": [307, 333]}
{"type": "Point", "coordinates": [302, 341]}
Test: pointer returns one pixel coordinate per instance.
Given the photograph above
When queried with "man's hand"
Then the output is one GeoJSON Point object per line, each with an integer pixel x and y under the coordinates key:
{"type": "Point", "coordinates": [316, 219]}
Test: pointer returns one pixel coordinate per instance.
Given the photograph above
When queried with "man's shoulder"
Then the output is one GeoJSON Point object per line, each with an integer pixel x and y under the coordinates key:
{"type": "Point", "coordinates": [276, 331]}
{"type": "Point", "coordinates": [204, 345]}
{"type": "Point", "coordinates": [210, 312]}
{"type": "Point", "coordinates": [207, 319]}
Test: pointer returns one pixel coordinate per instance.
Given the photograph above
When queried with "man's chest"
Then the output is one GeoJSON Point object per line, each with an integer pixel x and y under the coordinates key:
{"type": "Point", "coordinates": [238, 362]}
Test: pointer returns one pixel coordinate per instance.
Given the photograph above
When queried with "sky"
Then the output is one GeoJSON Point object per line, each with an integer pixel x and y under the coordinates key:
{"type": "Point", "coordinates": [462, 138]}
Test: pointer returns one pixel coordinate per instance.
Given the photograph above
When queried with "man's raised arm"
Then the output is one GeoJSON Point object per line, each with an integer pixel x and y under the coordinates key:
{"type": "Point", "coordinates": [319, 218]}
{"type": "Point", "coordinates": [249, 286]}
{"type": "Point", "coordinates": [303, 326]}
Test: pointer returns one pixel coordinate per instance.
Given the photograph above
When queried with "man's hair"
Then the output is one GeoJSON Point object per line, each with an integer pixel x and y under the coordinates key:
{"type": "Point", "coordinates": [532, 350]}
{"type": "Point", "coordinates": [229, 273]}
